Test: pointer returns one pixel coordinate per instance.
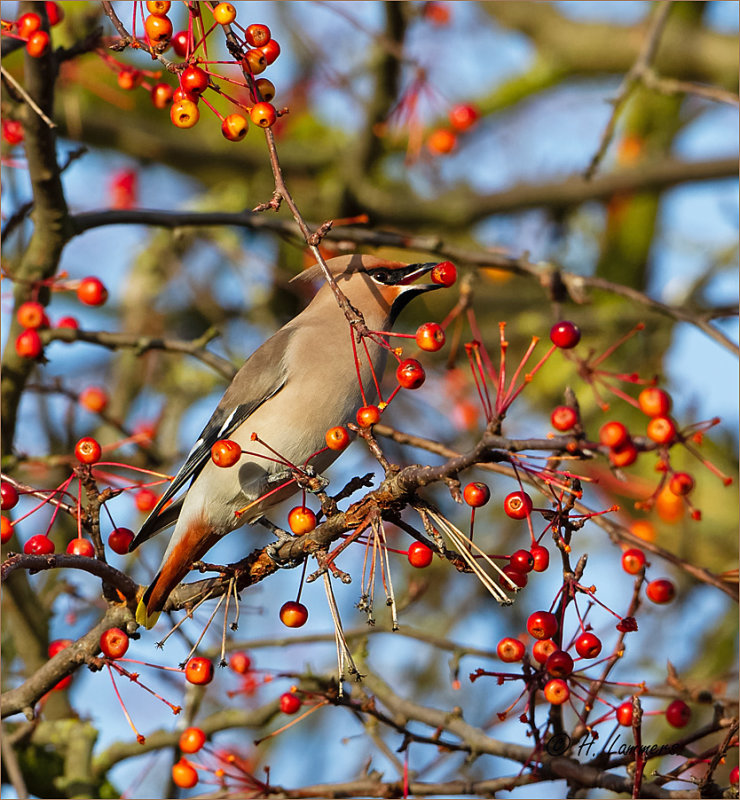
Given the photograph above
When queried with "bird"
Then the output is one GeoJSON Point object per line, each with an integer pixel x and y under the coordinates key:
{"type": "Point", "coordinates": [301, 382]}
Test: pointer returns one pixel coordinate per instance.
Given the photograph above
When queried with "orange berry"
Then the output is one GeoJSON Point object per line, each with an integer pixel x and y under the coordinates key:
{"type": "Point", "coordinates": [234, 127]}
{"type": "Point", "coordinates": [94, 399]}
{"type": "Point", "coordinates": [191, 740]}
{"type": "Point", "coordinates": [37, 44]}
{"type": "Point", "coordinates": [441, 142]}
{"type": "Point", "coordinates": [184, 774]}
{"type": "Point", "coordinates": [263, 114]}
{"type": "Point", "coordinates": [661, 430]}
{"type": "Point", "coordinates": [158, 7]}
{"type": "Point", "coordinates": [257, 35]}
{"type": "Point", "coordinates": [161, 95]}
{"type": "Point", "coordinates": [87, 450]}
{"type": "Point", "coordinates": [271, 51]}
{"type": "Point", "coordinates": [266, 89]}
{"type": "Point", "coordinates": [129, 78]}
{"type": "Point", "coordinates": [199, 671]}
{"type": "Point", "coordinates": [184, 114]}
{"type": "Point", "coordinates": [556, 691]}
{"type": "Point", "coordinates": [654, 402]}
{"type": "Point", "coordinates": [224, 13]}
{"type": "Point", "coordinates": [29, 344]}
{"type": "Point", "coordinates": [293, 614]}
{"type": "Point", "coordinates": [158, 29]}
{"type": "Point", "coordinates": [225, 453]}
{"type": "Point", "coordinates": [301, 520]}
{"type": "Point", "coordinates": [337, 438]}
{"type": "Point", "coordinates": [367, 416]}
{"type": "Point", "coordinates": [254, 61]}
{"type": "Point", "coordinates": [31, 315]}
{"type": "Point", "coordinates": [92, 292]}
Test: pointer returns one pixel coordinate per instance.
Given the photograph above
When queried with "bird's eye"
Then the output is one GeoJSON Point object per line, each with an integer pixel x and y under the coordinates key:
{"type": "Point", "coordinates": [380, 275]}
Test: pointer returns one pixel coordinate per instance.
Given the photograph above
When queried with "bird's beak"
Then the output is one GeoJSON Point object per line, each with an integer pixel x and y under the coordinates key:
{"type": "Point", "coordinates": [409, 274]}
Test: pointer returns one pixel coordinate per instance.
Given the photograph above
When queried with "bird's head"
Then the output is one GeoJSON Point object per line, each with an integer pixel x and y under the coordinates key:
{"type": "Point", "coordinates": [377, 287]}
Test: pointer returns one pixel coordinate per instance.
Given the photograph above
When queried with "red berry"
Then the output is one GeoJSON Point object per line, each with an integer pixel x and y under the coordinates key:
{"type": "Point", "coordinates": [68, 322]}
{"type": "Point", "coordinates": [441, 141]}
{"type": "Point", "coordinates": [27, 24]}
{"type": "Point", "coordinates": [563, 418]}
{"type": "Point", "coordinates": [199, 671]}
{"type": "Point", "coordinates": [367, 416]}
{"type": "Point", "coordinates": [463, 117]}
{"type": "Point", "coordinates": [114, 643]}
{"type": "Point", "coordinates": [588, 645]}
{"type": "Point", "coordinates": [419, 555]}
{"type": "Point", "coordinates": [476, 494]}
{"type": "Point", "coordinates": [444, 274]}
{"type": "Point", "coordinates": [681, 483]}
{"type": "Point", "coordinates": [92, 292]}
{"type": "Point", "coordinates": [623, 456]}
{"type": "Point", "coordinates": [225, 453]}
{"type": "Point", "coordinates": [161, 95]}
{"type": "Point", "coordinates": [543, 649]}
{"type": "Point", "coordinates": [81, 547]}
{"type": "Point", "coordinates": [37, 44]}
{"type": "Point", "coordinates": [289, 703]}
{"type": "Point", "coordinates": [734, 775]}
{"type": "Point", "coordinates": [518, 505]}
{"type": "Point", "coordinates": [194, 80]}
{"type": "Point", "coordinates": [613, 434]}
{"type": "Point", "coordinates": [12, 131]}
{"type": "Point", "coordinates": [522, 560]}
{"type": "Point", "coordinates": [158, 29]}
{"type": "Point", "coordinates": [94, 399]}
{"type": "Point", "coordinates": [120, 540]}
{"type": "Point", "coordinates": [57, 646]}
{"type": "Point", "coordinates": [624, 714]}
{"type": "Point", "coordinates": [29, 344]}
{"type": "Point", "coordinates": [240, 662]}
{"type": "Point", "coordinates": [660, 591]}
{"type": "Point", "coordinates": [54, 12]}
{"type": "Point", "coordinates": [146, 499]}
{"type": "Point", "coordinates": [6, 529]}
{"type": "Point", "coordinates": [266, 89]}
{"type": "Point", "coordinates": [410, 374]}
{"type": "Point", "coordinates": [234, 127]}
{"type": "Point", "coordinates": [510, 650]}
{"type": "Point", "coordinates": [224, 13]}
{"type": "Point", "coordinates": [31, 314]}
{"type": "Point", "coordinates": [263, 114]}
{"type": "Point", "coordinates": [337, 438]}
{"type": "Point", "coordinates": [8, 496]}
{"type": "Point", "coordinates": [87, 450]}
{"type": "Point", "coordinates": [255, 62]}
{"type": "Point", "coordinates": [293, 614]}
{"type": "Point", "coordinates": [565, 334]}
{"type": "Point", "coordinates": [678, 714]}
{"type": "Point", "coordinates": [559, 664]}
{"type": "Point", "coordinates": [191, 740]}
{"type": "Point", "coordinates": [514, 575]}
{"type": "Point", "coordinates": [556, 692]}
{"type": "Point", "coordinates": [430, 337]}
{"type": "Point", "coordinates": [542, 625]}
{"type": "Point", "coordinates": [633, 560]}
{"type": "Point", "coordinates": [541, 557]}
{"type": "Point", "coordinates": [179, 43]}
{"type": "Point", "coordinates": [301, 520]}
{"type": "Point", "coordinates": [158, 7]}
{"type": "Point", "coordinates": [661, 430]}
{"type": "Point", "coordinates": [257, 35]}
{"type": "Point", "coordinates": [184, 113]}
{"type": "Point", "coordinates": [130, 78]}
{"type": "Point", "coordinates": [271, 51]}
{"type": "Point", "coordinates": [39, 545]}
{"type": "Point", "coordinates": [654, 402]}
{"type": "Point", "coordinates": [184, 774]}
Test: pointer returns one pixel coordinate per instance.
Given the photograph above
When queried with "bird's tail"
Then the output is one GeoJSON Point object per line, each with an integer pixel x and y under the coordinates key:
{"type": "Point", "coordinates": [189, 546]}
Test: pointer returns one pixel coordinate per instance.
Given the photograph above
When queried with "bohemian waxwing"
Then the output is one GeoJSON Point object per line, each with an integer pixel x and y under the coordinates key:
{"type": "Point", "coordinates": [298, 384]}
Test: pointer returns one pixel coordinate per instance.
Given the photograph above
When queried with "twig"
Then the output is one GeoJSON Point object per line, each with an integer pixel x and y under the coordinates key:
{"type": "Point", "coordinates": [631, 79]}
{"type": "Point", "coordinates": [10, 763]}
{"type": "Point", "coordinates": [141, 344]}
{"type": "Point", "coordinates": [670, 86]}
{"type": "Point", "coordinates": [27, 99]}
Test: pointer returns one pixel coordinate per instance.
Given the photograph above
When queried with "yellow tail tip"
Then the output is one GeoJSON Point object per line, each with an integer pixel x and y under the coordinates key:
{"type": "Point", "coordinates": [144, 618]}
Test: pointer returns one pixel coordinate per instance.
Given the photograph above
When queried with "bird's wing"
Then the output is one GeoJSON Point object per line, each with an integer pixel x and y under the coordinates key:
{"type": "Point", "coordinates": [261, 377]}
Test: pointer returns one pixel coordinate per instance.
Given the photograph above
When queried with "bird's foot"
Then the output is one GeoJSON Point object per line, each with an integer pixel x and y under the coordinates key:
{"type": "Point", "coordinates": [283, 537]}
